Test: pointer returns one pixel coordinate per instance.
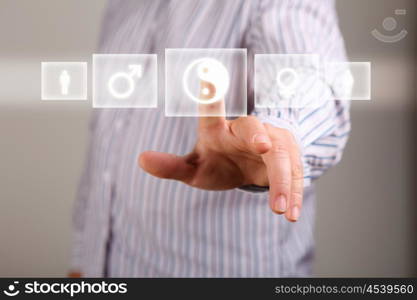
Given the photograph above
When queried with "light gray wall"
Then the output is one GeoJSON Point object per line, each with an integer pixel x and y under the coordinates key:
{"type": "Point", "coordinates": [366, 205]}
{"type": "Point", "coordinates": [42, 144]}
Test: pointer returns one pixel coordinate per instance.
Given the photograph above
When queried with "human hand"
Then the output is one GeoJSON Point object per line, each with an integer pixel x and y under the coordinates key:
{"type": "Point", "coordinates": [75, 274]}
{"type": "Point", "coordinates": [230, 154]}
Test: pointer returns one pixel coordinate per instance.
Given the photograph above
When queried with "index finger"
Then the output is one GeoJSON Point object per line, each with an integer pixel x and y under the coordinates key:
{"type": "Point", "coordinates": [211, 114]}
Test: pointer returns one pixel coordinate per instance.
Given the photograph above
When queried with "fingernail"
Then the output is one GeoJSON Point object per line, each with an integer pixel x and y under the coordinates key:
{"type": "Point", "coordinates": [295, 213]}
{"type": "Point", "coordinates": [281, 204]}
{"type": "Point", "coordinates": [260, 139]}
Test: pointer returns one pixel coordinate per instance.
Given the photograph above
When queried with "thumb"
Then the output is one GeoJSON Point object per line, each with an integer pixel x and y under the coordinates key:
{"type": "Point", "coordinates": [168, 166]}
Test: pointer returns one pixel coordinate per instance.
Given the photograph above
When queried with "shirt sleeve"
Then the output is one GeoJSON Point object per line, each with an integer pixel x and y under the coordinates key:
{"type": "Point", "coordinates": [304, 27]}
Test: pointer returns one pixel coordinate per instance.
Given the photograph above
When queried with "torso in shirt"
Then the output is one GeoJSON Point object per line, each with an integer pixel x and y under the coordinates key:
{"type": "Point", "coordinates": [165, 228]}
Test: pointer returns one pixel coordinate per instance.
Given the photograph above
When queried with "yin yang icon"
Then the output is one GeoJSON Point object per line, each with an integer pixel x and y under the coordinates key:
{"type": "Point", "coordinates": [213, 80]}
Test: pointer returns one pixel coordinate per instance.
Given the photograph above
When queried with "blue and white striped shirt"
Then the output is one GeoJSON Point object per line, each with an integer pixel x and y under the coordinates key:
{"type": "Point", "coordinates": [128, 223]}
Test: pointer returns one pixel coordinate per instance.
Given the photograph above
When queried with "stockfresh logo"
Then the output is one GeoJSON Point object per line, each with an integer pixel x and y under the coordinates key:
{"type": "Point", "coordinates": [12, 290]}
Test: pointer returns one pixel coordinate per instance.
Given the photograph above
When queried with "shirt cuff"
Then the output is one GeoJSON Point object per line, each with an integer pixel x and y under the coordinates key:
{"type": "Point", "coordinates": [254, 188]}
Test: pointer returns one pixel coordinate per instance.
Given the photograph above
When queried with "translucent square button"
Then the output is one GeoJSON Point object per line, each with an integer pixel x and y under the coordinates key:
{"type": "Point", "coordinates": [349, 80]}
{"type": "Point", "coordinates": [64, 81]}
{"type": "Point", "coordinates": [289, 80]}
{"type": "Point", "coordinates": [205, 82]}
{"type": "Point", "coordinates": [125, 81]}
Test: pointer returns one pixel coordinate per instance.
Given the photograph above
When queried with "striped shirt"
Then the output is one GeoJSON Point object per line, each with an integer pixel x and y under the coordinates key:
{"type": "Point", "coordinates": [128, 223]}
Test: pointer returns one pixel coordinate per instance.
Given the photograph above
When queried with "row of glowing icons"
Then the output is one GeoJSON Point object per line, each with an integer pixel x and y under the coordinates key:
{"type": "Point", "coordinates": [213, 74]}
{"type": "Point", "coordinates": [215, 80]}
{"type": "Point", "coordinates": [204, 80]}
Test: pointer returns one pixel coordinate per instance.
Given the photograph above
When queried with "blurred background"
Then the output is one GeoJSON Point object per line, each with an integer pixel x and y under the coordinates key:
{"type": "Point", "coordinates": [367, 208]}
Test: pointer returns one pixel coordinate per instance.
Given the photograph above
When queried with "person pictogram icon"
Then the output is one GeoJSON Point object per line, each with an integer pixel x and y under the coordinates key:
{"type": "Point", "coordinates": [64, 81]}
